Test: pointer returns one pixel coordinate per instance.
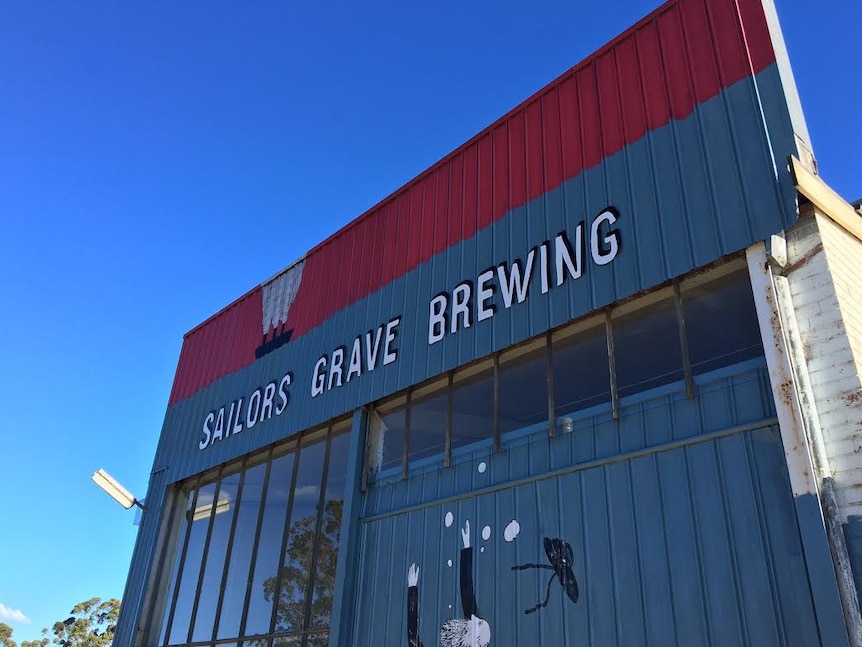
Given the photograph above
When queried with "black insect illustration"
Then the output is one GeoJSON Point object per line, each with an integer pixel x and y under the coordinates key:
{"type": "Point", "coordinates": [560, 557]}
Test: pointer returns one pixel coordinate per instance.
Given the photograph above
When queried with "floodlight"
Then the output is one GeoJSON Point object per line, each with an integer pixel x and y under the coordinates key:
{"type": "Point", "coordinates": [114, 490]}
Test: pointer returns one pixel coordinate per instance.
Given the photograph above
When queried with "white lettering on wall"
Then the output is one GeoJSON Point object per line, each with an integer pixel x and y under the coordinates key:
{"type": "Point", "coordinates": [449, 313]}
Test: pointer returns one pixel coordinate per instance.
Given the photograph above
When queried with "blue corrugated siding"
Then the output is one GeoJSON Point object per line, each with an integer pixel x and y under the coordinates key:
{"type": "Point", "coordinates": [691, 545]}
{"type": "Point", "coordinates": [684, 202]}
{"type": "Point", "coordinates": [144, 557]}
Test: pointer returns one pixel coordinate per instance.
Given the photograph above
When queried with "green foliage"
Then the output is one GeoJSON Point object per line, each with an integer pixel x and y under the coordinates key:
{"type": "Point", "coordinates": [291, 604]}
{"type": "Point", "coordinates": [91, 624]}
{"type": "Point", "coordinates": [6, 636]}
{"type": "Point", "coordinates": [42, 642]}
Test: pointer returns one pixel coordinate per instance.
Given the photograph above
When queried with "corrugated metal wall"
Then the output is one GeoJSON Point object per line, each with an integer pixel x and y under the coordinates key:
{"type": "Point", "coordinates": [682, 125]}
{"type": "Point", "coordinates": [653, 77]}
{"type": "Point", "coordinates": [677, 212]}
{"type": "Point", "coordinates": [680, 520]}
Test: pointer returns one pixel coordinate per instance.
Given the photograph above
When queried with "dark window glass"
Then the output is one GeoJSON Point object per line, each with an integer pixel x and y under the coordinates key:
{"type": "Point", "coordinates": [473, 409]}
{"type": "Point", "coordinates": [175, 570]}
{"type": "Point", "coordinates": [269, 545]}
{"type": "Point", "coordinates": [646, 348]}
{"type": "Point", "coordinates": [297, 564]}
{"type": "Point", "coordinates": [330, 529]}
{"type": "Point", "coordinates": [200, 519]}
{"type": "Point", "coordinates": [523, 392]}
{"type": "Point", "coordinates": [428, 426]}
{"type": "Point", "coordinates": [391, 433]}
{"type": "Point", "coordinates": [240, 556]}
{"type": "Point", "coordinates": [721, 323]}
{"type": "Point", "coordinates": [285, 641]}
{"type": "Point", "coordinates": [225, 508]}
{"type": "Point", "coordinates": [581, 373]}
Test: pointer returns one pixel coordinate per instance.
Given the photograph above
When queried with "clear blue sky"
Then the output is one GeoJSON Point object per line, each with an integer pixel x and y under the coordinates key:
{"type": "Point", "coordinates": [158, 159]}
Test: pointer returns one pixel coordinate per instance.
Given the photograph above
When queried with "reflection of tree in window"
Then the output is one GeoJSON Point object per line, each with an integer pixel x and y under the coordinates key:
{"type": "Point", "coordinates": [296, 564]}
{"type": "Point", "coordinates": [324, 571]}
{"type": "Point", "coordinates": [647, 348]}
{"type": "Point", "coordinates": [311, 546]}
{"type": "Point", "coordinates": [268, 555]}
{"type": "Point", "coordinates": [721, 322]}
{"type": "Point", "coordinates": [524, 390]}
{"type": "Point", "coordinates": [473, 409]}
{"type": "Point", "coordinates": [295, 574]}
{"type": "Point", "coordinates": [581, 373]}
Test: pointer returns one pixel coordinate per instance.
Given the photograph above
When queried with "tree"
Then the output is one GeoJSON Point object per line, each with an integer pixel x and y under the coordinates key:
{"type": "Point", "coordinates": [291, 599]}
{"type": "Point", "coordinates": [6, 636]}
{"type": "Point", "coordinates": [91, 624]}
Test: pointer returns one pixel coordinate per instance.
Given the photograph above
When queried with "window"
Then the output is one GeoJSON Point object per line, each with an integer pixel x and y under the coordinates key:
{"type": "Point", "coordinates": [647, 349]}
{"type": "Point", "coordinates": [509, 392]}
{"type": "Point", "coordinates": [473, 405]}
{"type": "Point", "coordinates": [259, 547]}
{"type": "Point", "coordinates": [523, 385]}
{"type": "Point", "coordinates": [582, 376]}
{"type": "Point", "coordinates": [720, 322]}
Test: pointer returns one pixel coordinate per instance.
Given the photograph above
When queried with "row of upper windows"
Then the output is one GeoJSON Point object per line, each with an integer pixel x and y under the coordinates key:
{"type": "Point", "coordinates": [700, 324]}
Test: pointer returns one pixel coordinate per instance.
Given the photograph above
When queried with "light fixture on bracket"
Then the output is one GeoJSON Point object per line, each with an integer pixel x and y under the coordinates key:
{"type": "Point", "coordinates": [114, 490]}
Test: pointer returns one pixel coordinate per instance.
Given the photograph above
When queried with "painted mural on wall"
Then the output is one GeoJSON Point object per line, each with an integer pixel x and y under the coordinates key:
{"type": "Point", "coordinates": [471, 629]}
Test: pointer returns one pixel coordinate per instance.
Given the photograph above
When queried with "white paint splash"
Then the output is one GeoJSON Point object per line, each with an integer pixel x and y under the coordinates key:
{"type": "Point", "coordinates": [512, 530]}
{"type": "Point", "coordinates": [482, 549]}
{"type": "Point", "coordinates": [449, 563]}
{"type": "Point", "coordinates": [449, 519]}
{"type": "Point", "coordinates": [486, 533]}
{"type": "Point", "coordinates": [482, 467]}
{"type": "Point", "coordinates": [278, 296]}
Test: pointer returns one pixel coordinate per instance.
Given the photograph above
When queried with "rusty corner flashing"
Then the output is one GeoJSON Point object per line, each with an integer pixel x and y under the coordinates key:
{"type": "Point", "coordinates": [824, 198]}
{"type": "Point", "coordinates": [798, 420]}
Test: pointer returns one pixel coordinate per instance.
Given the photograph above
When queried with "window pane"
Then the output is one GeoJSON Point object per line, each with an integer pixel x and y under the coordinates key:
{"type": "Point", "coordinates": [269, 545]}
{"type": "Point", "coordinates": [524, 390]}
{"type": "Point", "coordinates": [388, 434]}
{"type": "Point", "coordinates": [318, 640]}
{"type": "Point", "coordinates": [214, 569]}
{"type": "Point", "coordinates": [473, 410]}
{"type": "Point", "coordinates": [240, 556]}
{"type": "Point", "coordinates": [175, 570]}
{"type": "Point", "coordinates": [428, 427]}
{"type": "Point", "coordinates": [327, 551]}
{"type": "Point", "coordinates": [646, 348]}
{"type": "Point", "coordinates": [581, 372]}
{"type": "Point", "coordinates": [200, 519]}
{"type": "Point", "coordinates": [296, 567]}
{"type": "Point", "coordinates": [721, 323]}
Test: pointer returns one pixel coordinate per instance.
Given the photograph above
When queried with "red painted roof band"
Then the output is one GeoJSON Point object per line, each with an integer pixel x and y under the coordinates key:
{"type": "Point", "coordinates": [679, 56]}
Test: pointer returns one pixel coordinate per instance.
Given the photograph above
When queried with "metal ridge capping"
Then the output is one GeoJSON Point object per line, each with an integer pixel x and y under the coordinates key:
{"type": "Point", "coordinates": [658, 71]}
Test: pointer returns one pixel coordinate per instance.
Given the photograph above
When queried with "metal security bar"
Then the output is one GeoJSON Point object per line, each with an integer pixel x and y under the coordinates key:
{"type": "Point", "coordinates": [189, 610]}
